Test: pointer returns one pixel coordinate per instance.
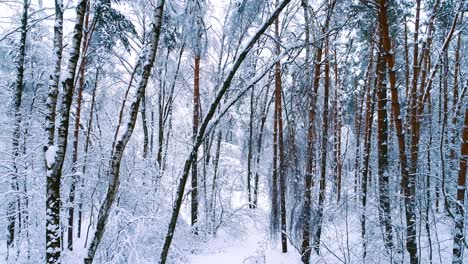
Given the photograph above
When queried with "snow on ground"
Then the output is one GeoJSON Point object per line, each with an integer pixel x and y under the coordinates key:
{"type": "Point", "coordinates": [251, 247]}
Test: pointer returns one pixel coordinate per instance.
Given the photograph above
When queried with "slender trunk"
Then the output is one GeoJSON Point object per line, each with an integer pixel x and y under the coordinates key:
{"type": "Point", "coordinates": [274, 185]}
{"type": "Point", "coordinates": [323, 151]}
{"type": "Point", "coordinates": [369, 116]}
{"type": "Point", "coordinates": [305, 246]}
{"type": "Point", "coordinates": [407, 67]}
{"type": "Point", "coordinates": [55, 153]}
{"type": "Point", "coordinates": [86, 147]}
{"type": "Point", "coordinates": [196, 118]}
{"type": "Point", "coordinates": [279, 117]}
{"type": "Point", "coordinates": [250, 149]}
{"type": "Point", "coordinates": [145, 127]}
{"type": "Point", "coordinates": [160, 123]}
{"type": "Point", "coordinates": [124, 136]}
{"type": "Point", "coordinates": [266, 107]}
{"type": "Point", "coordinates": [76, 133]}
{"type": "Point", "coordinates": [382, 157]}
{"type": "Point", "coordinates": [214, 184]}
{"type": "Point", "coordinates": [338, 124]}
{"type": "Point", "coordinates": [459, 236]}
{"type": "Point", "coordinates": [15, 199]}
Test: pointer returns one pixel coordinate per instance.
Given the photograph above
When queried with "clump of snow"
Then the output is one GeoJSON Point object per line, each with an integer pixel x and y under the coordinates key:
{"type": "Point", "coordinates": [50, 155]}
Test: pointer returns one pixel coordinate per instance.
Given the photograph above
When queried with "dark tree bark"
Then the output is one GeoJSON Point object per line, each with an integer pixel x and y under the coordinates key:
{"type": "Point", "coordinates": [55, 153]}
{"type": "Point", "coordinates": [305, 246]}
{"type": "Point", "coordinates": [86, 148]}
{"type": "Point", "coordinates": [279, 119]}
{"type": "Point", "coordinates": [459, 236]}
{"type": "Point", "coordinates": [369, 116]}
{"type": "Point", "coordinates": [250, 150]}
{"type": "Point", "coordinates": [323, 151]}
{"type": "Point", "coordinates": [407, 186]}
{"type": "Point", "coordinates": [382, 156]}
{"type": "Point", "coordinates": [145, 127]}
{"type": "Point", "coordinates": [266, 107]}
{"type": "Point", "coordinates": [76, 133]}
{"type": "Point", "coordinates": [17, 100]}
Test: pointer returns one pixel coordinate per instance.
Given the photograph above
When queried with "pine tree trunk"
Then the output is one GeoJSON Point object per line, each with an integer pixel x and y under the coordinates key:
{"type": "Point", "coordinates": [275, 210]}
{"type": "Point", "coordinates": [459, 236]}
{"type": "Point", "coordinates": [196, 118]}
{"type": "Point", "coordinates": [382, 156]}
{"type": "Point", "coordinates": [369, 116]}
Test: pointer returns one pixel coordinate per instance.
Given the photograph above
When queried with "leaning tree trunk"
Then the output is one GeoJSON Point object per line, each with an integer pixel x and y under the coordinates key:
{"type": "Point", "coordinates": [17, 130]}
{"type": "Point", "coordinates": [55, 153]}
{"type": "Point", "coordinates": [76, 134]}
{"type": "Point", "coordinates": [124, 136]}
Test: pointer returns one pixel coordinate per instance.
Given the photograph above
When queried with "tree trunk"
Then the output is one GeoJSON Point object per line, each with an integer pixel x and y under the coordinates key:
{"type": "Point", "coordinates": [86, 147]}
{"type": "Point", "coordinates": [15, 199]}
{"type": "Point", "coordinates": [250, 149]}
{"type": "Point", "coordinates": [382, 156]}
{"type": "Point", "coordinates": [145, 127]}
{"type": "Point", "coordinates": [76, 134]}
{"type": "Point", "coordinates": [196, 118]}
{"type": "Point", "coordinates": [266, 107]}
{"type": "Point", "coordinates": [323, 151]}
{"type": "Point", "coordinates": [407, 184]}
{"type": "Point", "coordinates": [274, 185]}
{"type": "Point", "coordinates": [55, 153]}
{"type": "Point", "coordinates": [459, 236]}
{"type": "Point", "coordinates": [305, 246]}
{"type": "Point", "coordinates": [279, 118]}
{"type": "Point", "coordinates": [369, 114]}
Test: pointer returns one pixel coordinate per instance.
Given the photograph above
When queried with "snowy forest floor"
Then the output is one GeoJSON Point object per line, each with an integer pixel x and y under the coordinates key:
{"type": "Point", "coordinates": [249, 242]}
{"type": "Point", "coordinates": [253, 246]}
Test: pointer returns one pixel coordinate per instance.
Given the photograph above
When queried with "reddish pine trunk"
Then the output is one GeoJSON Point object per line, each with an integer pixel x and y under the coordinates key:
{"type": "Point", "coordinates": [196, 118]}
